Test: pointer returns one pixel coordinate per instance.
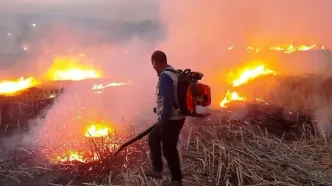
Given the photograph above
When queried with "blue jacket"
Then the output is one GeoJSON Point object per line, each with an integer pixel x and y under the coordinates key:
{"type": "Point", "coordinates": [166, 96]}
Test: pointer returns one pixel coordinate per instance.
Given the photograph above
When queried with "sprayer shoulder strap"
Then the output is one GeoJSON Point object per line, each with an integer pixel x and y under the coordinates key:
{"type": "Point", "coordinates": [175, 104]}
{"type": "Point", "coordinates": [171, 70]}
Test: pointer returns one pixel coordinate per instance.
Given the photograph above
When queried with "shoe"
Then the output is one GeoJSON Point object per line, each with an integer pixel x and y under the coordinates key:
{"type": "Point", "coordinates": [154, 174]}
{"type": "Point", "coordinates": [173, 183]}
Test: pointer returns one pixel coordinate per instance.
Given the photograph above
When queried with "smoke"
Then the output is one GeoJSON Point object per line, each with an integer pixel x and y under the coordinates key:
{"type": "Point", "coordinates": [324, 121]}
{"type": "Point", "coordinates": [22, 140]}
{"type": "Point", "coordinates": [119, 36]}
{"type": "Point", "coordinates": [199, 33]}
{"type": "Point", "coordinates": [116, 37]}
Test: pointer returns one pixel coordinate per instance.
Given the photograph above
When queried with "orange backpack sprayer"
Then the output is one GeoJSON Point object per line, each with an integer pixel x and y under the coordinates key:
{"type": "Point", "coordinates": [193, 100]}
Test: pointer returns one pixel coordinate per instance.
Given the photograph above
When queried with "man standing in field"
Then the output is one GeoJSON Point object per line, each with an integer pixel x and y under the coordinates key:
{"type": "Point", "coordinates": [169, 124]}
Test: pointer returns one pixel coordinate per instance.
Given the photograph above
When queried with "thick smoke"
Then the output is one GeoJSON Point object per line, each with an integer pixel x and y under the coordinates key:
{"type": "Point", "coordinates": [116, 37]}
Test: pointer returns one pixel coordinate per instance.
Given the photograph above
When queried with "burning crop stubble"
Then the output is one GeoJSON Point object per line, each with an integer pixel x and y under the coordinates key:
{"type": "Point", "coordinates": [194, 35]}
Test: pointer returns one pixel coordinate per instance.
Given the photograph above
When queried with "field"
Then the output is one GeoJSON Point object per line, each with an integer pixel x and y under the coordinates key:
{"type": "Point", "coordinates": [278, 141]}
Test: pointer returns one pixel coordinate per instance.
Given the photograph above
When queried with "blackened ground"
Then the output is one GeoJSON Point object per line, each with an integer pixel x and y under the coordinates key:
{"type": "Point", "coordinates": [270, 119]}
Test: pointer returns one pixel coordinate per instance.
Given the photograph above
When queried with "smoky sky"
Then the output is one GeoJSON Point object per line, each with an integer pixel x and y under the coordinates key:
{"type": "Point", "coordinates": [192, 32]}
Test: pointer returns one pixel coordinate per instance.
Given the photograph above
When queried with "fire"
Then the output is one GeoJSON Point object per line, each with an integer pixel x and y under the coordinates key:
{"type": "Point", "coordinates": [292, 48]}
{"type": "Point", "coordinates": [71, 156]}
{"type": "Point", "coordinates": [231, 96]}
{"type": "Point", "coordinates": [285, 48]}
{"type": "Point", "coordinates": [97, 130]}
{"type": "Point", "coordinates": [246, 75]}
{"type": "Point", "coordinates": [84, 144]}
{"type": "Point", "coordinates": [75, 74]}
{"type": "Point", "coordinates": [113, 84]}
{"type": "Point", "coordinates": [249, 74]}
{"type": "Point", "coordinates": [11, 87]}
{"type": "Point", "coordinates": [69, 69]}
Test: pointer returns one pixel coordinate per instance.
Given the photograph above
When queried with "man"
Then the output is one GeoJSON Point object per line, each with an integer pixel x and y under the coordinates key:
{"type": "Point", "coordinates": [169, 124]}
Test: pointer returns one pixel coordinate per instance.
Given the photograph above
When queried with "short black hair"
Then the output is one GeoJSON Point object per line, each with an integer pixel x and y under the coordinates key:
{"type": "Point", "coordinates": [159, 57]}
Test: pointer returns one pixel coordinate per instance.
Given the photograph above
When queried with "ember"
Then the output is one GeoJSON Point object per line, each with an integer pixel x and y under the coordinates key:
{"type": "Point", "coordinates": [79, 143]}
{"type": "Point", "coordinates": [71, 156]}
{"type": "Point", "coordinates": [243, 78]}
{"type": "Point", "coordinates": [11, 87]}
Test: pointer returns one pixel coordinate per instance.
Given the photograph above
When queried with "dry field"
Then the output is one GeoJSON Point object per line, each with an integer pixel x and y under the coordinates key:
{"type": "Point", "coordinates": [275, 142]}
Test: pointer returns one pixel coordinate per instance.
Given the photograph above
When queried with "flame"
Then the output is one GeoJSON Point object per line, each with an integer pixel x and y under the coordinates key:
{"type": "Point", "coordinates": [11, 87]}
{"type": "Point", "coordinates": [250, 48]}
{"type": "Point", "coordinates": [246, 75]}
{"type": "Point", "coordinates": [286, 48]}
{"type": "Point", "coordinates": [97, 130]}
{"type": "Point", "coordinates": [249, 74]}
{"type": "Point", "coordinates": [231, 47]}
{"type": "Point", "coordinates": [69, 69]}
{"type": "Point", "coordinates": [52, 96]}
{"type": "Point", "coordinates": [113, 84]}
{"type": "Point", "coordinates": [291, 48]}
{"type": "Point", "coordinates": [231, 96]}
{"type": "Point", "coordinates": [77, 147]}
{"type": "Point", "coordinates": [71, 156]}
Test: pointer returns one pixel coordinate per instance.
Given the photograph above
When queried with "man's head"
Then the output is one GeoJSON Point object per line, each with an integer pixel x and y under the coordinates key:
{"type": "Point", "coordinates": [159, 60]}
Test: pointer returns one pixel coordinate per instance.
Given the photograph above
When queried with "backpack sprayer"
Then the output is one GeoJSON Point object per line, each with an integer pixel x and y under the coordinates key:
{"type": "Point", "coordinates": [193, 97]}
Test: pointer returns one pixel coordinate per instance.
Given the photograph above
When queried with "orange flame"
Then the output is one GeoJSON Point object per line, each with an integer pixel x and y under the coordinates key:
{"type": "Point", "coordinates": [11, 87]}
{"type": "Point", "coordinates": [249, 74]}
{"type": "Point", "coordinates": [71, 156]}
{"type": "Point", "coordinates": [244, 77]}
{"type": "Point", "coordinates": [69, 69]}
{"type": "Point", "coordinates": [231, 96]}
{"type": "Point", "coordinates": [113, 84]}
{"type": "Point", "coordinates": [97, 130]}
{"type": "Point", "coordinates": [286, 48]}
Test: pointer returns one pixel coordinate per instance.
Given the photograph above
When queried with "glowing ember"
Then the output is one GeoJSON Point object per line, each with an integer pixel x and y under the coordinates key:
{"type": "Point", "coordinates": [244, 77]}
{"type": "Point", "coordinates": [97, 130]}
{"type": "Point", "coordinates": [52, 96]}
{"type": "Point", "coordinates": [11, 87]}
{"type": "Point", "coordinates": [71, 156]}
{"type": "Point", "coordinates": [261, 100]}
{"type": "Point", "coordinates": [113, 84]}
{"type": "Point", "coordinates": [69, 69]}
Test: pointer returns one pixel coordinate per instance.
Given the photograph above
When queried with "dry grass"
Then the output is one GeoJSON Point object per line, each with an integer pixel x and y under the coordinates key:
{"type": "Point", "coordinates": [225, 152]}
{"type": "Point", "coordinates": [235, 154]}
{"type": "Point", "coordinates": [221, 151]}
{"type": "Point", "coordinates": [13, 172]}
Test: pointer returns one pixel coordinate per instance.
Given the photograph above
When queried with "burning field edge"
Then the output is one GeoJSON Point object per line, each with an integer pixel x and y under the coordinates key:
{"type": "Point", "coordinates": [214, 151]}
{"type": "Point", "coordinates": [270, 141]}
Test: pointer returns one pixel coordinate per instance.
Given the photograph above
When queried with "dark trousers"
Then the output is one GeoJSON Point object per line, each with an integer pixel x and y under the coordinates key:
{"type": "Point", "coordinates": [166, 134]}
